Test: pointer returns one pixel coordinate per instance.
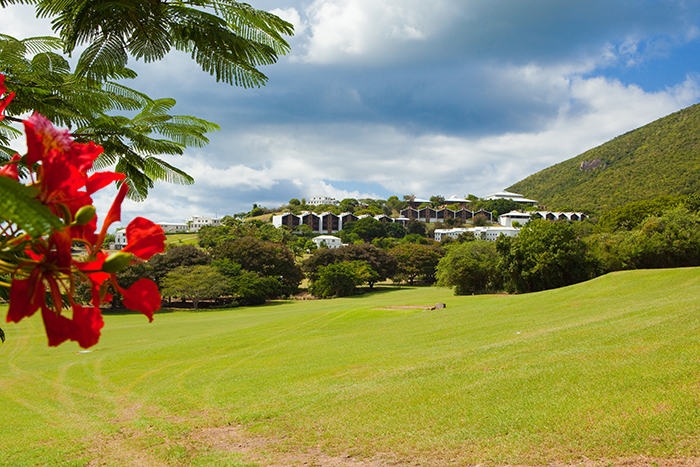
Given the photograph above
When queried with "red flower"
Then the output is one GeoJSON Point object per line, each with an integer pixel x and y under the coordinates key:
{"type": "Point", "coordinates": [58, 328]}
{"type": "Point", "coordinates": [143, 296]}
{"type": "Point", "coordinates": [87, 323]}
{"type": "Point", "coordinates": [4, 102]}
{"type": "Point", "coordinates": [64, 186]}
{"type": "Point", "coordinates": [11, 170]}
{"type": "Point", "coordinates": [144, 238]}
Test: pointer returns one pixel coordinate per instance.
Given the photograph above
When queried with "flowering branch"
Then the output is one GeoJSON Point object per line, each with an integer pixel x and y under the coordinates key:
{"type": "Point", "coordinates": [41, 220]}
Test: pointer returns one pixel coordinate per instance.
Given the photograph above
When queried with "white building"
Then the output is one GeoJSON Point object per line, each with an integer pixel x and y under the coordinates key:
{"type": "Point", "coordinates": [119, 239]}
{"type": "Point", "coordinates": [490, 234]}
{"type": "Point", "coordinates": [329, 240]}
{"type": "Point", "coordinates": [197, 222]}
{"type": "Point", "coordinates": [518, 198]}
{"type": "Point", "coordinates": [507, 220]}
{"type": "Point", "coordinates": [319, 200]}
{"type": "Point", "coordinates": [170, 227]}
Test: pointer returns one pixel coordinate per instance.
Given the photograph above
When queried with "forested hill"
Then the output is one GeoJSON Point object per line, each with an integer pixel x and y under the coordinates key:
{"type": "Point", "coordinates": [661, 158]}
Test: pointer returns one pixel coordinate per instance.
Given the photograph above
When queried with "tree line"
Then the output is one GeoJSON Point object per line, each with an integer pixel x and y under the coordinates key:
{"type": "Point", "coordinates": [658, 233]}
{"type": "Point", "coordinates": [251, 262]}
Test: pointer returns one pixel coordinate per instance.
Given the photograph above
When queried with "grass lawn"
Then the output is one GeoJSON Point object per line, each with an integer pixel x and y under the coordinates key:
{"type": "Point", "coordinates": [604, 370]}
{"type": "Point", "coordinates": [181, 239]}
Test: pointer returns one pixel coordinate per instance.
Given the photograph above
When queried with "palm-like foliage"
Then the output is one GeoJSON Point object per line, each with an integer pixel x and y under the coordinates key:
{"type": "Point", "coordinates": [43, 82]}
{"type": "Point", "coordinates": [228, 39]}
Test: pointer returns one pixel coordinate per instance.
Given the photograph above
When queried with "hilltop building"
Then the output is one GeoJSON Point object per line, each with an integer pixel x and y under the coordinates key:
{"type": "Point", "coordinates": [431, 215]}
{"type": "Point", "coordinates": [319, 200]}
{"type": "Point", "coordinates": [197, 222]}
{"type": "Point", "coordinates": [170, 227]}
{"type": "Point", "coordinates": [490, 234]}
{"type": "Point", "coordinates": [525, 217]}
{"type": "Point", "coordinates": [328, 240]}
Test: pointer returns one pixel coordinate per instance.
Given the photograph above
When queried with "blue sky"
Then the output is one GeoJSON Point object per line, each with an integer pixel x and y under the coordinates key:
{"type": "Point", "coordinates": [396, 97]}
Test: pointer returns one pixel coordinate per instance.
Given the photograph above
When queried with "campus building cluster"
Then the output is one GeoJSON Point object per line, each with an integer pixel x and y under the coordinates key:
{"type": "Point", "coordinates": [326, 222]}
{"type": "Point", "coordinates": [418, 209]}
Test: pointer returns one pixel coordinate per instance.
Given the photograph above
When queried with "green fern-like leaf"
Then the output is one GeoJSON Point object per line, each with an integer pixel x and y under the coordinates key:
{"type": "Point", "coordinates": [17, 206]}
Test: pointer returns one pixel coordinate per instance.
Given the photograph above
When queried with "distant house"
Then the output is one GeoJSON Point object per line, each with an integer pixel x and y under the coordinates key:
{"type": "Point", "coordinates": [490, 234]}
{"type": "Point", "coordinates": [525, 217]}
{"type": "Point", "coordinates": [169, 227]}
{"type": "Point", "coordinates": [431, 215]}
{"type": "Point", "coordinates": [197, 222]}
{"type": "Point", "coordinates": [507, 219]}
{"type": "Point", "coordinates": [119, 239]}
{"type": "Point", "coordinates": [328, 240]}
{"type": "Point", "coordinates": [319, 200]}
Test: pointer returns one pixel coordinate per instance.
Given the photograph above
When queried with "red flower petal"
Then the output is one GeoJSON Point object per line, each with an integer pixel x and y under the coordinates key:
{"type": "Point", "coordinates": [99, 180]}
{"type": "Point", "coordinates": [87, 324]}
{"type": "Point", "coordinates": [8, 98]}
{"type": "Point", "coordinates": [115, 211]}
{"type": "Point", "coordinates": [11, 170]}
{"type": "Point", "coordinates": [143, 296]}
{"type": "Point", "coordinates": [144, 238]}
{"type": "Point", "coordinates": [26, 296]}
{"type": "Point", "coordinates": [58, 328]}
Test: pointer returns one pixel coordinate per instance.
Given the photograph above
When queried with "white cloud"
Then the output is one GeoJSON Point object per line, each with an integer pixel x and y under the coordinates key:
{"type": "Point", "coordinates": [20, 21]}
{"type": "Point", "coordinates": [291, 15]}
{"type": "Point", "coordinates": [367, 30]}
{"type": "Point", "coordinates": [314, 157]}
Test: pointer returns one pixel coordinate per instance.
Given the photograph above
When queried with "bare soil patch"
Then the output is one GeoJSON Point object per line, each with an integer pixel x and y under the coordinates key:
{"type": "Point", "coordinates": [268, 452]}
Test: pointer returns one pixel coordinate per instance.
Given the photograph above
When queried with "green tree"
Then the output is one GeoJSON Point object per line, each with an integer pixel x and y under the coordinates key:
{"type": "Point", "coordinates": [379, 260]}
{"type": "Point", "coordinates": [348, 205]}
{"type": "Point", "coordinates": [416, 260]}
{"type": "Point", "coordinates": [470, 268]}
{"type": "Point", "coordinates": [339, 279]}
{"type": "Point", "coordinates": [437, 201]}
{"type": "Point", "coordinates": [544, 255]}
{"type": "Point", "coordinates": [630, 215]}
{"type": "Point", "coordinates": [268, 259]}
{"type": "Point", "coordinates": [395, 230]}
{"type": "Point", "coordinates": [499, 206]}
{"type": "Point", "coordinates": [369, 228]}
{"type": "Point", "coordinates": [176, 257]}
{"type": "Point", "coordinates": [416, 227]}
{"type": "Point", "coordinates": [668, 241]}
{"type": "Point", "coordinates": [251, 288]}
{"type": "Point", "coordinates": [195, 283]}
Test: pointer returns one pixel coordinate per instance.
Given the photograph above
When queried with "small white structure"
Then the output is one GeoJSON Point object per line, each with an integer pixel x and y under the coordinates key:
{"type": "Point", "coordinates": [518, 198]}
{"type": "Point", "coordinates": [197, 222]}
{"type": "Point", "coordinates": [328, 240]}
{"type": "Point", "coordinates": [119, 239]}
{"type": "Point", "coordinates": [490, 234]}
{"type": "Point", "coordinates": [507, 219]}
{"type": "Point", "coordinates": [319, 200]}
{"type": "Point", "coordinates": [170, 227]}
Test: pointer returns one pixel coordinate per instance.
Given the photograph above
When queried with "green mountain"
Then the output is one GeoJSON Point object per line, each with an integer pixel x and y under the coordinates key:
{"type": "Point", "coordinates": [661, 158]}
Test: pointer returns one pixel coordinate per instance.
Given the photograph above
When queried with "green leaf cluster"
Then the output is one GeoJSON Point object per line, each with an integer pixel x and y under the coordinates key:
{"type": "Point", "coordinates": [43, 82]}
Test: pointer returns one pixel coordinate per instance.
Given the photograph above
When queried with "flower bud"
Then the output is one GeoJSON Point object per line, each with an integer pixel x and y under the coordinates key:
{"type": "Point", "coordinates": [116, 262]}
{"type": "Point", "coordinates": [84, 215]}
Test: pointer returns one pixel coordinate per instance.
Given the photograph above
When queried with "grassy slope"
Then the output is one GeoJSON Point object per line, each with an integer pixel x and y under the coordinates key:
{"type": "Point", "coordinates": [604, 369]}
{"type": "Point", "coordinates": [182, 239]}
{"type": "Point", "coordinates": [661, 158]}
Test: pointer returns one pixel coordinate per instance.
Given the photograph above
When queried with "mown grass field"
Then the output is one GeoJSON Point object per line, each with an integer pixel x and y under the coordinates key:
{"type": "Point", "coordinates": [604, 370]}
{"type": "Point", "coordinates": [181, 239]}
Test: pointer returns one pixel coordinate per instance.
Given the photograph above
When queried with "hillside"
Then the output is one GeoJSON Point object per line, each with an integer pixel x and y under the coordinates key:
{"type": "Point", "coordinates": [661, 158]}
